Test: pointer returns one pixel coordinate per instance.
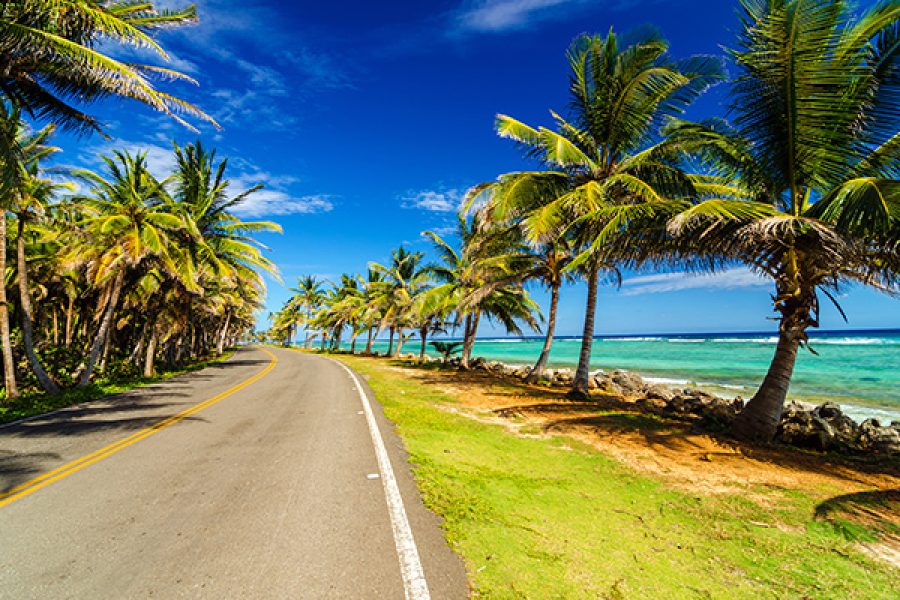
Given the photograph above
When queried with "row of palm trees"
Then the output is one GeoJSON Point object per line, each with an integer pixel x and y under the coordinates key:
{"type": "Point", "coordinates": [799, 184]}
{"type": "Point", "coordinates": [406, 296]}
{"type": "Point", "coordinates": [139, 269]}
{"type": "Point", "coordinates": [136, 271]}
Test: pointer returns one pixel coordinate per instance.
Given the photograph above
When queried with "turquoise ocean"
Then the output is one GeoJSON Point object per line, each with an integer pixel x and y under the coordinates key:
{"type": "Point", "coordinates": [860, 370]}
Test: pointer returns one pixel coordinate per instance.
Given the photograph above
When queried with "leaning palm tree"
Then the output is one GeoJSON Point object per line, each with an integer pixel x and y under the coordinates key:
{"type": "Point", "coordinates": [548, 265]}
{"type": "Point", "coordinates": [602, 170]}
{"type": "Point", "coordinates": [812, 162]}
{"type": "Point", "coordinates": [53, 56]}
{"type": "Point", "coordinates": [481, 279]}
{"type": "Point", "coordinates": [35, 192]}
{"type": "Point", "coordinates": [129, 220]}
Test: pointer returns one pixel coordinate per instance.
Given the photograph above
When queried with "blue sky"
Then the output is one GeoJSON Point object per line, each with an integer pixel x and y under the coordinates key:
{"type": "Point", "coordinates": [366, 121]}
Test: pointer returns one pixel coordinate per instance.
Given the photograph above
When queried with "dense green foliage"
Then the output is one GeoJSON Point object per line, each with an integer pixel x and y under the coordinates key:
{"type": "Point", "coordinates": [135, 271]}
{"type": "Point", "coordinates": [138, 269]}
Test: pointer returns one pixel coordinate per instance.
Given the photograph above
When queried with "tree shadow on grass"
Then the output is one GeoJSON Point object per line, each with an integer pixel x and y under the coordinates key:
{"type": "Point", "coordinates": [860, 516]}
{"type": "Point", "coordinates": [686, 437]}
{"type": "Point", "coordinates": [608, 414]}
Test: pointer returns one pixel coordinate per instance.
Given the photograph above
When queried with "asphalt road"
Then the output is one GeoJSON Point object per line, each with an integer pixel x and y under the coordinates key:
{"type": "Point", "coordinates": [266, 491]}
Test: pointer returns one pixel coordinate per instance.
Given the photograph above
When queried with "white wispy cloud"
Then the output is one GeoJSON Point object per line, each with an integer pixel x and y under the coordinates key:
{"type": "Point", "coordinates": [274, 203]}
{"type": "Point", "coordinates": [433, 200]}
{"type": "Point", "coordinates": [490, 16]}
{"type": "Point", "coordinates": [275, 199]}
{"type": "Point", "coordinates": [160, 159]}
{"type": "Point", "coordinates": [499, 15]}
{"type": "Point", "coordinates": [728, 279]}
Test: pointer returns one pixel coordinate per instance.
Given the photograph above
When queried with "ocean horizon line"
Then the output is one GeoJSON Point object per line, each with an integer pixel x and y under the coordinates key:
{"type": "Point", "coordinates": [875, 332]}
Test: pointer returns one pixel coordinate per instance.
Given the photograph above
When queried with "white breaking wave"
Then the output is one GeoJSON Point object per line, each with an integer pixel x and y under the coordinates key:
{"type": "Point", "coordinates": [667, 381]}
{"type": "Point", "coordinates": [759, 340]}
{"type": "Point", "coordinates": [855, 341]}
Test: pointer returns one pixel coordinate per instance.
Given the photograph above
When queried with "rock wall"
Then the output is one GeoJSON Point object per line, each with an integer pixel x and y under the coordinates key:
{"type": "Point", "coordinates": [823, 427]}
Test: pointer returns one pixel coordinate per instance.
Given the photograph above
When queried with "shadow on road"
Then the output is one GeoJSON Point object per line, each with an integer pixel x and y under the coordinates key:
{"type": "Point", "coordinates": [19, 468]}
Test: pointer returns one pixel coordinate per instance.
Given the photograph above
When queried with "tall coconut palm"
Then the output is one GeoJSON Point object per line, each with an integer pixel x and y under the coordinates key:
{"type": "Point", "coordinates": [308, 295]}
{"type": "Point", "coordinates": [35, 192]}
{"type": "Point", "coordinates": [602, 168]}
{"type": "Point", "coordinates": [372, 312]}
{"type": "Point", "coordinates": [219, 245]}
{"type": "Point", "coordinates": [129, 221]}
{"type": "Point", "coordinates": [548, 265]}
{"type": "Point", "coordinates": [54, 57]}
{"type": "Point", "coordinates": [401, 282]}
{"type": "Point", "coordinates": [483, 278]}
{"type": "Point", "coordinates": [813, 159]}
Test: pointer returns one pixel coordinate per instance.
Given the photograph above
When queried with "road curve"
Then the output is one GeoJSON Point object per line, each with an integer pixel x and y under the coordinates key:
{"type": "Point", "coordinates": [263, 491]}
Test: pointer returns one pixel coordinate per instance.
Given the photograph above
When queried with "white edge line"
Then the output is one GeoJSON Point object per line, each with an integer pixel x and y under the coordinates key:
{"type": "Point", "coordinates": [410, 566]}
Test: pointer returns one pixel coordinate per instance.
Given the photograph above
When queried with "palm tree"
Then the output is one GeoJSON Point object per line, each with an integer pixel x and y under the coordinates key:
{"type": "Point", "coordinates": [130, 220]}
{"type": "Point", "coordinates": [372, 312]}
{"type": "Point", "coordinates": [32, 196]}
{"type": "Point", "coordinates": [482, 279]}
{"type": "Point", "coordinates": [401, 282]}
{"type": "Point", "coordinates": [51, 60]}
{"type": "Point", "coordinates": [218, 244]}
{"type": "Point", "coordinates": [549, 266]}
{"type": "Point", "coordinates": [308, 295]}
{"type": "Point", "coordinates": [602, 170]}
{"type": "Point", "coordinates": [812, 164]}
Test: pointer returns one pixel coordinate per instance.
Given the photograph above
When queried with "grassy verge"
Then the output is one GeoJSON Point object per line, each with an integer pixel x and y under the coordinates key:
{"type": "Point", "coordinates": [30, 405]}
{"type": "Point", "coordinates": [537, 517]}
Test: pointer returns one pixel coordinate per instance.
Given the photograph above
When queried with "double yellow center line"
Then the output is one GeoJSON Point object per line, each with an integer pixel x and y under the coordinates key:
{"type": "Point", "coordinates": [29, 487]}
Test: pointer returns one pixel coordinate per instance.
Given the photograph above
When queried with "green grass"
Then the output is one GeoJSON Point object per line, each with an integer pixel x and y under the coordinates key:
{"type": "Point", "coordinates": [552, 518]}
{"type": "Point", "coordinates": [30, 405]}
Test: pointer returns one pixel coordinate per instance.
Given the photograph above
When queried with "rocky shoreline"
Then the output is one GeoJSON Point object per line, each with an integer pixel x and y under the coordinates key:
{"type": "Point", "coordinates": [824, 427]}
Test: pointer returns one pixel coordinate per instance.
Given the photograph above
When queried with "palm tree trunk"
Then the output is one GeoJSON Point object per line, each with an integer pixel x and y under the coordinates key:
{"type": "Point", "coordinates": [538, 370]}
{"type": "Point", "coordinates": [399, 343]}
{"type": "Point", "coordinates": [105, 324]}
{"type": "Point", "coordinates": [105, 354]}
{"type": "Point", "coordinates": [370, 340]}
{"type": "Point", "coordinates": [353, 342]}
{"type": "Point", "coordinates": [45, 381]}
{"type": "Point", "coordinates": [423, 333]}
{"type": "Point", "coordinates": [70, 321]}
{"type": "Point", "coordinates": [220, 344]}
{"type": "Point", "coordinates": [308, 317]}
{"type": "Point", "coordinates": [580, 388]}
{"type": "Point", "coordinates": [9, 365]}
{"type": "Point", "coordinates": [469, 341]}
{"type": "Point", "coordinates": [138, 349]}
{"type": "Point", "coordinates": [150, 357]}
{"type": "Point", "coordinates": [55, 314]}
{"type": "Point", "coordinates": [759, 419]}
{"type": "Point", "coordinates": [336, 342]}
{"type": "Point", "coordinates": [390, 342]}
